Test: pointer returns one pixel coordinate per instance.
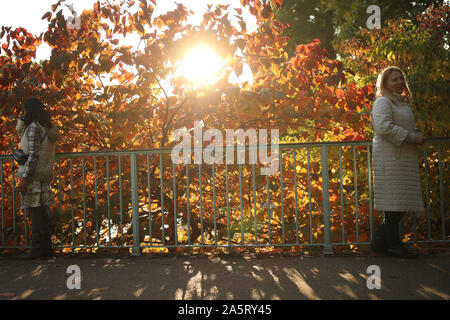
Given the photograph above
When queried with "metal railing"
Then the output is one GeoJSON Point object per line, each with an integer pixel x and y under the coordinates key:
{"type": "Point", "coordinates": [139, 199]}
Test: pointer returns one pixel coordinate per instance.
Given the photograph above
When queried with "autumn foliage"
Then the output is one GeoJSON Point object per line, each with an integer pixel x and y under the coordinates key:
{"type": "Point", "coordinates": [104, 95]}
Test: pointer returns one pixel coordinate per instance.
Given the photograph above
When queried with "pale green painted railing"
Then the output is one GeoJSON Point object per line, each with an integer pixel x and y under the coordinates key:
{"type": "Point", "coordinates": [286, 209]}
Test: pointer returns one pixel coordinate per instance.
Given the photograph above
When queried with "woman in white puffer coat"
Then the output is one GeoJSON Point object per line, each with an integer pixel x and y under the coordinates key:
{"type": "Point", "coordinates": [397, 185]}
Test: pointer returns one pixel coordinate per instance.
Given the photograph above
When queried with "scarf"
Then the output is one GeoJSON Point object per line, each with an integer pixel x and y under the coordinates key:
{"type": "Point", "coordinates": [397, 98]}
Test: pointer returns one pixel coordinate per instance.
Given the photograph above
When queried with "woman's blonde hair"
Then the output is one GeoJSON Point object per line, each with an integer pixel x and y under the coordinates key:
{"type": "Point", "coordinates": [382, 91]}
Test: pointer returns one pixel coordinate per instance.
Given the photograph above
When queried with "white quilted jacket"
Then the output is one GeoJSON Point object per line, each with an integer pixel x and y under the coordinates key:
{"type": "Point", "coordinates": [396, 177]}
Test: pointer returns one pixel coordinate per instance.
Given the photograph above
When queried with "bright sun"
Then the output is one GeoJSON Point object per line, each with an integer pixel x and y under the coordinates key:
{"type": "Point", "coordinates": [201, 65]}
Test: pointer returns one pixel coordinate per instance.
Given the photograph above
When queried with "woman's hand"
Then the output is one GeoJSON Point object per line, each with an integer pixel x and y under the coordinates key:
{"type": "Point", "coordinates": [420, 139]}
{"type": "Point", "coordinates": [23, 186]}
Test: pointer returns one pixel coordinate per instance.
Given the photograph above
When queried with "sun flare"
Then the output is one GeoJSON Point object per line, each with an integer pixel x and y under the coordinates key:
{"type": "Point", "coordinates": [201, 65]}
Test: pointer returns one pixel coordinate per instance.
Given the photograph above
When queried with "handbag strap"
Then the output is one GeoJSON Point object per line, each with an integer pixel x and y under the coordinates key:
{"type": "Point", "coordinates": [46, 131]}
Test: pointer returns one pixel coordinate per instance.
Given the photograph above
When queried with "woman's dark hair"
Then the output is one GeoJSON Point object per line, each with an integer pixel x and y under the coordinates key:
{"type": "Point", "coordinates": [35, 111]}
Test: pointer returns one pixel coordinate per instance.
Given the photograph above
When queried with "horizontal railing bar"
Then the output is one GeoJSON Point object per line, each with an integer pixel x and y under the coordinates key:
{"type": "Point", "coordinates": [56, 247]}
{"type": "Point", "coordinates": [239, 245]}
{"type": "Point", "coordinates": [224, 245]}
{"type": "Point", "coordinates": [281, 146]}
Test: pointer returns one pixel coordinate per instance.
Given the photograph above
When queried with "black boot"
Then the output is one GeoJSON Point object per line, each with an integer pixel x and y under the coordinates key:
{"type": "Point", "coordinates": [41, 240]}
{"type": "Point", "coordinates": [46, 240]}
{"type": "Point", "coordinates": [394, 245]}
{"type": "Point", "coordinates": [35, 251]}
{"type": "Point", "coordinates": [36, 224]}
{"type": "Point", "coordinates": [378, 244]}
{"type": "Point", "coordinates": [46, 250]}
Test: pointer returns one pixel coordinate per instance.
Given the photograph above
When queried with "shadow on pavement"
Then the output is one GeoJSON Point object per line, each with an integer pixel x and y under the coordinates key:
{"type": "Point", "coordinates": [226, 277]}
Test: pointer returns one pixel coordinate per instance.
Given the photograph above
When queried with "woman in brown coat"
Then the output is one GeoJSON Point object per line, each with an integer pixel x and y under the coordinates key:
{"type": "Point", "coordinates": [39, 137]}
{"type": "Point", "coordinates": [397, 185]}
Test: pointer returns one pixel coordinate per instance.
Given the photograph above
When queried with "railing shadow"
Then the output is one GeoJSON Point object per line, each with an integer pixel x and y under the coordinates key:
{"type": "Point", "coordinates": [226, 278]}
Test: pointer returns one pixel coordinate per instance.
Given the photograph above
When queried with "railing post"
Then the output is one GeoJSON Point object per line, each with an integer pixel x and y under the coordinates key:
{"type": "Point", "coordinates": [327, 247]}
{"type": "Point", "coordinates": [136, 249]}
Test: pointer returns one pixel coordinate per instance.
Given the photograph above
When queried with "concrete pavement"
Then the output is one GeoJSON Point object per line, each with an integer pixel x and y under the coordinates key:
{"type": "Point", "coordinates": [227, 277]}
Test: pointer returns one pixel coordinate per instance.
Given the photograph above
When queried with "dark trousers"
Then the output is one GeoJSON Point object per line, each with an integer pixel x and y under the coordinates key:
{"type": "Point", "coordinates": [40, 227]}
{"type": "Point", "coordinates": [387, 233]}
{"type": "Point", "coordinates": [39, 219]}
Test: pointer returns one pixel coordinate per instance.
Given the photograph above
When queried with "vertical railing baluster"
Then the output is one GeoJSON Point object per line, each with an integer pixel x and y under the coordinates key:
{"type": "Point", "coordinates": [13, 199]}
{"type": "Point", "coordinates": [163, 236]}
{"type": "Point", "coordinates": [309, 194]}
{"type": "Point", "coordinates": [188, 205]}
{"type": "Point", "coordinates": [441, 192]}
{"type": "Point", "coordinates": [108, 201]}
{"type": "Point", "coordinates": [342, 194]}
{"type": "Point", "coordinates": [369, 173]}
{"type": "Point", "coordinates": [120, 197]}
{"type": "Point", "coordinates": [60, 204]}
{"type": "Point", "coordinates": [269, 213]}
{"type": "Point", "coordinates": [254, 203]}
{"type": "Point", "coordinates": [355, 175]}
{"type": "Point", "coordinates": [72, 202]}
{"type": "Point", "coordinates": [175, 204]}
{"type": "Point", "coordinates": [241, 204]}
{"type": "Point", "coordinates": [327, 247]}
{"type": "Point", "coordinates": [295, 195]}
{"type": "Point", "coordinates": [97, 227]}
{"type": "Point", "coordinates": [228, 205]}
{"type": "Point", "coordinates": [83, 171]}
{"type": "Point", "coordinates": [214, 204]}
{"type": "Point", "coordinates": [282, 199]}
{"type": "Point", "coordinates": [427, 192]}
{"type": "Point", "coordinates": [201, 202]}
{"type": "Point", "coordinates": [149, 201]}
{"type": "Point", "coordinates": [136, 250]}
